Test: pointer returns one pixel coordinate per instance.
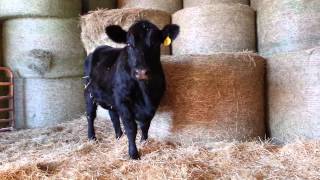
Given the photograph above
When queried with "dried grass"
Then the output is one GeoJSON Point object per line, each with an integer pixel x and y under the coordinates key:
{"type": "Point", "coordinates": [191, 3]}
{"type": "Point", "coordinates": [288, 25]}
{"type": "Point", "coordinates": [93, 25]}
{"type": "Point", "coordinates": [169, 6]}
{"type": "Point", "coordinates": [62, 152]}
{"type": "Point", "coordinates": [43, 47]}
{"type": "Point", "coordinates": [39, 8]}
{"type": "Point", "coordinates": [294, 95]}
{"type": "Point", "coordinates": [215, 28]}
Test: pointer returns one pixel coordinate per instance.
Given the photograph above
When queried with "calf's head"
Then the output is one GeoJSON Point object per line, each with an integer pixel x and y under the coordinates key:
{"type": "Point", "coordinates": [143, 41]}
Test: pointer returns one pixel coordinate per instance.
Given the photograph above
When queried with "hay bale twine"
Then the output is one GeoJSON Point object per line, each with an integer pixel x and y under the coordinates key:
{"type": "Point", "coordinates": [288, 25]}
{"type": "Point", "coordinates": [93, 25]}
{"type": "Point", "coordinates": [294, 95]}
{"type": "Point", "coordinates": [169, 6]}
{"type": "Point", "coordinates": [209, 98]}
{"type": "Point", "coordinates": [43, 47]}
{"type": "Point", "coordinates": [215, 28]}
{"type": "Point", "coordinates": [192, 3]}
{"type": "Point", "coordinates": [42, 8]}
{"type": "Point", "coordinates": [90, 5]}
{"type": "Point", "coordinates": [46, 102]}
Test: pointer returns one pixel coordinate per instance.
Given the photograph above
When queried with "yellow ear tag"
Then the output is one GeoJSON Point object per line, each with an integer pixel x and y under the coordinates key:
{"type": "Point", "coordinates": [167, 41]}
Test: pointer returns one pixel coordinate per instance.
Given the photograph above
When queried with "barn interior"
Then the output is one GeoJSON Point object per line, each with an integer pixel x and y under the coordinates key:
{"type": "Point", "coordinates": [242, 98]}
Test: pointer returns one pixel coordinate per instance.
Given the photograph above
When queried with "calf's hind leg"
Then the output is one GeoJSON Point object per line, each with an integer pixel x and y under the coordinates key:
{"type": "Point", "coordinates": [144, 126]}
{"type": "Point", "coordinates": [116, 123]}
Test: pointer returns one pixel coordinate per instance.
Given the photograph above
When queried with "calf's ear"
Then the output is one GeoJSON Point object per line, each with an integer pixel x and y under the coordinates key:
{"type": "Point", "coordinates": [116, 34]}
{"type": "Point", "coordinates": [171, 31]}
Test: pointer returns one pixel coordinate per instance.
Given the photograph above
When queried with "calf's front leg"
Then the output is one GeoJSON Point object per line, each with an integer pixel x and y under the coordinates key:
{"type": "Point", "coordinates": [91, 113]}
{"type": "Point", "coordinates": [131, 130]}
{"type": "Point", "coordinates": [116, 123]}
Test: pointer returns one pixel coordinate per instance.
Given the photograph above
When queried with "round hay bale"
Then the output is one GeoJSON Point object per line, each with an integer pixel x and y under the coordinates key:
{"type": "Point", "coordinates": [192, 3]}
{"type": "Point", "coordinates": [215, 28]}
{"type": "Point", "coordinates": [93, 25]}
{"type": "Point", "coordinates": [47, 102]}
{"type": "Point", "coordinates": [90, 5]}
{"type": "Point", "coordinates": [42, 8]}
{"type": "Point", "coordinates": [169, 6]}
{"type": "Point", "coordinates": [288, 25]}
{"type": "Point", "coordinates": [43, 47]}
{"type": "Point", "coordinates": [254, 4]}
{"type": "Point", "coordinates": [209, 98]}
{"type": "Point", "coordinates": [294, 95]}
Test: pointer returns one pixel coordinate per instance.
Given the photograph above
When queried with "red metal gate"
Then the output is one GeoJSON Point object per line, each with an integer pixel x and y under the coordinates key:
{"type": "Point", "coordinates": [8, 97]}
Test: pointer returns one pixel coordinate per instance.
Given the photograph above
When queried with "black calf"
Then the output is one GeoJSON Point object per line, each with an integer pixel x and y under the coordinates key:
{"type": "Point", "coordinates": [129, 82]}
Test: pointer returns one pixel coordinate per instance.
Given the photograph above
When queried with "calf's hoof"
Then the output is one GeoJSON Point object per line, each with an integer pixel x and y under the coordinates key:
{"type": "Point", "coordinates": [135, 156]}
{"type": "Point", "coordinates": [119, 135]}
{"type": "Point", "coordinates": [92, 138]}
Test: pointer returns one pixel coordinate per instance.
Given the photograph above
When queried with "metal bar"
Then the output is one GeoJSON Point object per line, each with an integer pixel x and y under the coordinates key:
{"type": "Point", "coordinates": [10, 98]}
{"type": "Point", "coordinates": [5, 83]}
{"type": "Point", "coordinates": [6, 109]}
{"type": "Point", "coordinates": [5, 120]}
{"type": "Point", "coordinates": [5, 97]}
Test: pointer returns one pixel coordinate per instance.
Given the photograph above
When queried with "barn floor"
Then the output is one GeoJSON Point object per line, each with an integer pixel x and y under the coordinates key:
{"type": "Point", "coordinates": [63, 152]}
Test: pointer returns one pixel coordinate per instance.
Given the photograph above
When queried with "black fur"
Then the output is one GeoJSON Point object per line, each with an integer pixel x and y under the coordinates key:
{"type": "Point", "coordinates": [112, 78]}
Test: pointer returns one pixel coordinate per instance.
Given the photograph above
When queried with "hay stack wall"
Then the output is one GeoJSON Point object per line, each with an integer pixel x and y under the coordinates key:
{"type": "Point", "coordinates": [215, 97]}
{"type": "Point", "coordinates": [39, 8]}
{"type": "Point", "coordinates": [215, 28]}
{"type": "Point", "coordinates": [93, 25]}
{"type": "Point", "coordinates": [294, 95]}
{"type": "Point", "coordinates": [43, 47]}
{"type": "Point", "coordinates": [91, 5]}
{"type": "Point", "coordinates": [192, 3]}
{"type": "Point", "coordinates": [41, 44]}
{"type": "Point", "coordinates": [47, 102]}
{"type": "Point", "coordinates": [169, 6]}
{"type": "Point", "coordinates": [288, 25]}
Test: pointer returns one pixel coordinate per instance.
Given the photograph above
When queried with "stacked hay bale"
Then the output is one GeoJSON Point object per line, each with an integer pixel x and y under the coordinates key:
{"type": "Point", "coordinates": [221, 27]}
{"type": "Point", "coordinates": [289, 25]}
{"type": "Point", "coordinates": [212, 97]}
{"type": "Point", "coordinates": [169, 6]}
{"type": "Point", "coordinates": [288, 33]}
{"type": "Point", "coordinates": [209, 97]}
{"type": "Point", "coordinates": [93, 25]}
{"type": "Point", "coordinates": [254, 4]}
{"type": "Point", "coordinates": [91, 5]}
{"type": "Point", "coordinates": [192, 3]}
{"type": "Point", "coordinates": [41, 44]}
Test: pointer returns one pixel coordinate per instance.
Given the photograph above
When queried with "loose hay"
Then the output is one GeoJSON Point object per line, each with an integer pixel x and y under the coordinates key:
{"type": "Point", "coordinates": [93, 25]}
{"type": "Point", "coordinates": [169, 6]}
{"type": "Point", "coordinates": [191, 3]}
{"type": "Point", "coordinates": [215, 28]}
{"type": "Point", "coordinates": [62, 152]}
{"type": "Point", "coordinates": [288, 25]}
{"type": "Point", "coordinates": [43, 47]}
{"type": "Point", "coordinates": [90, 5]}
{"type": "Point", "coordinates": [294, 95]}
{"type": "Point", "coordinates": [39, 8]}
{"type": "Point", "coordinates": [209, 98]}
{"type": "Point", "coordinates": [46, 102]}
